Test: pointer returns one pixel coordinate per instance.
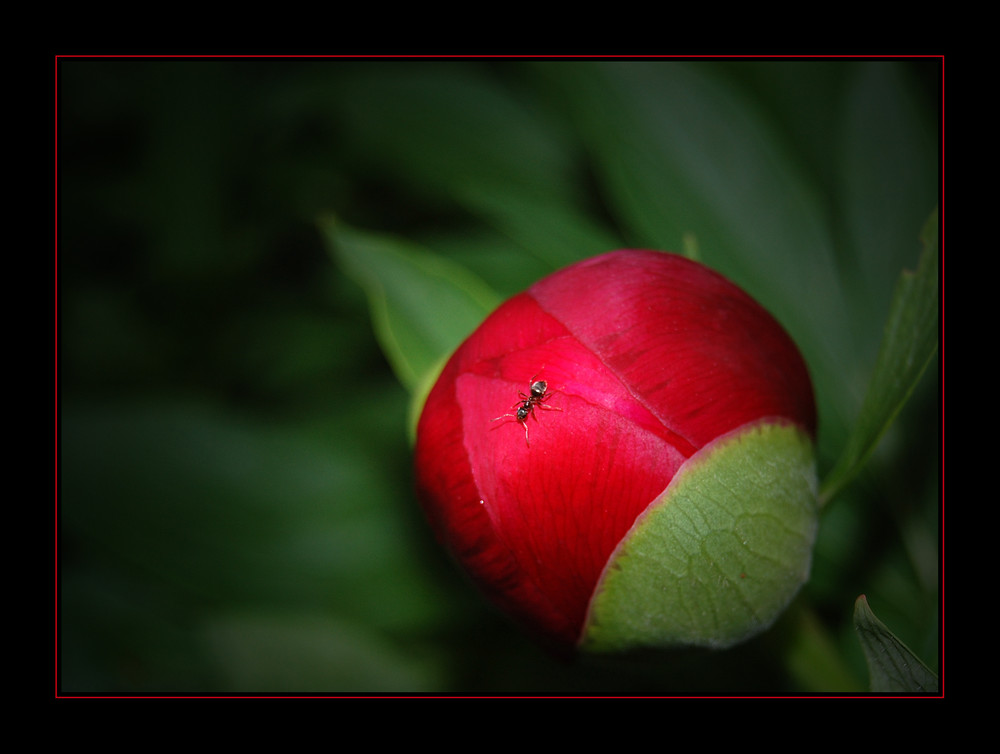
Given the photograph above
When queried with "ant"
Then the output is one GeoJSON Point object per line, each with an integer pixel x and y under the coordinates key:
{"type": "Point", "coordinates": [537, 394]}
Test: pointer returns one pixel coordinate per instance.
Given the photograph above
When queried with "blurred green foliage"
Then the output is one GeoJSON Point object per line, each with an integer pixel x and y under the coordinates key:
{"type": "Point", "coordinates": [234, 500]}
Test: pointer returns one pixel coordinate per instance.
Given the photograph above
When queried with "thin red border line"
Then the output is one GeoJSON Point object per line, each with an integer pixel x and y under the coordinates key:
{"type": "Point", "coordinates": [941, 660]}
{"type": "Point", "coordinates": [55, 233]}
{"type": "Point", "coordinates": [57, 58]}
{"type": "Point", "coordinates": [500, 56]}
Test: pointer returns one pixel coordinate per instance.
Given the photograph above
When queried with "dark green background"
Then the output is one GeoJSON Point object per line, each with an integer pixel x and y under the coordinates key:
{"type": "Point", "coordinates": [235, 504]}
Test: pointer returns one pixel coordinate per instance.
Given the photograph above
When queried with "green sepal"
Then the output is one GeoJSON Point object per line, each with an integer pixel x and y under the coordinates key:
{"type": "Point", "coordinates": [720, 554]}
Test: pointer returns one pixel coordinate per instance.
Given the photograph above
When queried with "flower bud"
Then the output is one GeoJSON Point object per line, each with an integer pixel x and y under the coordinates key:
{"type": "Point", "coordinates": [622, 457]}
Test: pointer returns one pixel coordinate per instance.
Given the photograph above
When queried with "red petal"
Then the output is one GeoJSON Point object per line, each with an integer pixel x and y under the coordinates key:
{"type": "Point", "coordinates": [704, 356]}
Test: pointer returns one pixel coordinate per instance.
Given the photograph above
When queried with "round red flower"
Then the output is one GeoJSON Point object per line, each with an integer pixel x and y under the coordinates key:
{"type": "Point", "coordinates": [564, 421]}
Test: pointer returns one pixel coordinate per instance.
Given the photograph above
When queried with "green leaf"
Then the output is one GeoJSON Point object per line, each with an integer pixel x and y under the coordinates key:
{"type": "Point", "coordinates": [719, 556]}
{"type": "Point", "coordinates": [422, 305]}
{"type": "Point", "coordinates": [887, 179]}
{"type": "Point", "coordinates": [893, 667]}
{"type": "Point", "coordinates": [286, 651]}
{"type": "Point", "coordinates": [549, 228]}
{"type": "Point", "coordinates": [237, 509]}
{"type": "Point", "coordinates": [909, 342]}
{"type": "Point", "coordinates": [441, 128]}
{"type": "Point", "coordinates": [183, 514]}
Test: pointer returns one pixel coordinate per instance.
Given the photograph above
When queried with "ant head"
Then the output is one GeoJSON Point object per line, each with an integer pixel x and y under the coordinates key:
{"type": "Point", "coordinates": [538, 388]}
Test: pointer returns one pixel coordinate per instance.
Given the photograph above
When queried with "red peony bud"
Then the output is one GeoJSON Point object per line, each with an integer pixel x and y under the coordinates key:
{"type": "Point", "coordinates": [622, 456]}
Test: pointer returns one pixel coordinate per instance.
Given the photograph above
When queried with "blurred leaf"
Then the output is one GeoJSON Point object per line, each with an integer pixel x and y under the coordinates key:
{"type": "Point", "coordinates": [909, 342]}
{"type": "Point", "coordinates": [805, 98]}
{"type": "Point", "coordinates": [229, 507]}
{"type": "Point", "coordinates": [422, 306]}
{"type": "Point", "coordinates": [887, 183]}
{"type": "Point", "coordinates": [491, 255]}
{"type": "Point", "coordinates": [553, 231]}
{"type": "Point", "coordinates": [121, 631]}
{"type": "Point", "coordinates": [442, 128]}
{"type": "Point", "coordinates": [893, 667]}
{"type": "Point", "coordinates": [812, 657]}
{"type": "Point", "coordinates": [291, 653]}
